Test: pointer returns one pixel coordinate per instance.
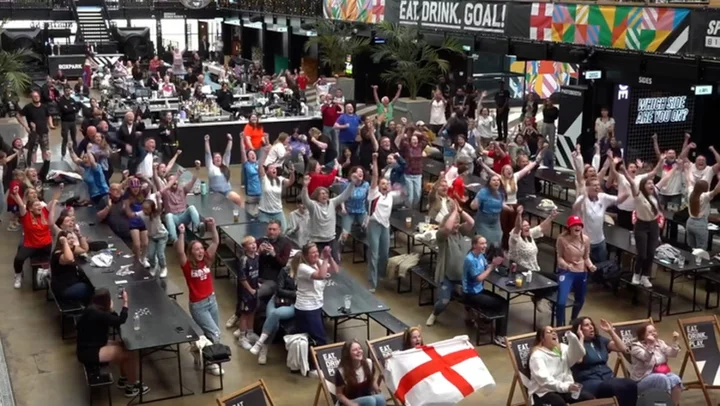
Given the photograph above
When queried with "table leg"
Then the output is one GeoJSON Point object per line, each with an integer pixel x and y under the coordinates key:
{"type": "Point", "coordinates": [140, 356]}
{"type": "Point", "coordinates": [335, 325]}
{"type": "Point", "coordinates": [695, 278]}
{"type": "Point", "coordinates": [180, 381]}
{"type": "Point", "coordinates": [672, 285]}
{"type": "Point", "coordinates": [367, 324]}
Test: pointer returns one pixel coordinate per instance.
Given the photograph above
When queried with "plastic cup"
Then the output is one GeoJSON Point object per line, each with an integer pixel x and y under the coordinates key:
{"type": "Point", "coordinates": [529, 276]}
{"type": "Point", "coordinates": [408, 222]}
{"type": "Point", "coordinates": [681, 261]}
{"type": "Point", "coordinates": [348, 302]}
{"type": "Point", "coordinates": [236, 215]}
{"type": "Point", "coordinates": [575, 394]}
{"type": "Point", "coordinates": [427, 219]}
{"type": "Point", "coordinates": [519, 281]}
{"type": "Point", "coordinates": [698, 260]}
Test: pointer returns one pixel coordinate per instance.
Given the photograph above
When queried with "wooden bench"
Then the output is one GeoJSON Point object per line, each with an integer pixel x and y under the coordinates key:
{"type": "Point", "coordinates": [712, 283]}
{"type": "Point", "coordinates": [69, 310]}
{"type": "Point", "coordinates": [655, 293]}
{"type": "Point", "coordinates": [479, 315]}
{"type": "Point", "coordinates": [98, 376]}
{"type": "Point", "coordinates": [391, 323]}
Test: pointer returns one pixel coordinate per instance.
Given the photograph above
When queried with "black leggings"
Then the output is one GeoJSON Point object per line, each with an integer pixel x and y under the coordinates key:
{"type": "Point", "coordinates": [647, 236]}
{"type": "Point", "coordinates": [490, 301]}
{"type": "Point", "coordinates": [560, 399]}
{"type": "Point", "coordinates": [24, 253]}
{"type": "Point", "coordinates": [624, 219]}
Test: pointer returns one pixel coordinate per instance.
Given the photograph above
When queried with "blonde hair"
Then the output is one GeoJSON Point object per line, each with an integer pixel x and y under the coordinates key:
{"type": "Point", "coordinates": [281, 138]}
{"type": "Point", "coordinates": [247, 240]}
{"type": "Point", "coordinates": [300, 258]}
{"type": "Point", "coordinates": [314, 132]}
{"type": "Point", "coordinates": [509, 183]}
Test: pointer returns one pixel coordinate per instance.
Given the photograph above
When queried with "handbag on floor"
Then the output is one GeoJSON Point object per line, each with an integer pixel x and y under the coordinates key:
{"type": "Point", "coordinates": [216, 352]}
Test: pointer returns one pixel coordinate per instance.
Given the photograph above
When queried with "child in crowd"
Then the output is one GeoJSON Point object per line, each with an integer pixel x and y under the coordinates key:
{"type": "Point", "coordinates": [248, 276]}
{"type": "Point", "coordinates": [16, 187]}
{"type": "Point", "coordinates": [299, 224]}
{"type": "Point", "coordinates": [151, 215]}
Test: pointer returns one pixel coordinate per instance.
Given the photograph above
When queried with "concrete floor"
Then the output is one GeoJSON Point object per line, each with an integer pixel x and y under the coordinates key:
{"type": "Point", "coordinates": [44, 369]}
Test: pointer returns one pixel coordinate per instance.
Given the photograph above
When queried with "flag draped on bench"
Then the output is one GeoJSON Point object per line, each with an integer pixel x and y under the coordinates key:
{"type": "Point", "coordinates": [438, 374]}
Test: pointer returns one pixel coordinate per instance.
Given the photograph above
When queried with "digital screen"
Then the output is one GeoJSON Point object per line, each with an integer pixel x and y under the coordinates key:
{"type": "Point", "coordinates": [703, 90]}
{"type": "Point", "coordinates": [671, 109]}
{"type": "Point", "coordinates": [593, 74]}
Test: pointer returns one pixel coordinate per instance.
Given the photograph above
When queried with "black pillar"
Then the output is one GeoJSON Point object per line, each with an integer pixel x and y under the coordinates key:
{"type": "Point", "coordinates": [158, 39]}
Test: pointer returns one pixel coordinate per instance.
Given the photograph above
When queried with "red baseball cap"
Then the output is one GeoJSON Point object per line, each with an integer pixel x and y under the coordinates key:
{"type": "Point", "coordinates": [574, 221]}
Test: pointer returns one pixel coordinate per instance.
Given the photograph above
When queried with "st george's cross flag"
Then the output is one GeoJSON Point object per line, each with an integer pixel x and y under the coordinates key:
{"type": "Point", "coordinates": [439, 374]}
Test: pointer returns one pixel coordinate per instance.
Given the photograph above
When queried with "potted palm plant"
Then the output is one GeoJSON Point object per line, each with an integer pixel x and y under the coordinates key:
{"type": "Point", "coordinates": [414, 63]}
{"type": "Point", "coordinates": [336, 41]}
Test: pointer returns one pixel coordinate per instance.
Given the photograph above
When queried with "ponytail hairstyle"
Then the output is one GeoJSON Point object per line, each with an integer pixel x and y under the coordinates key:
{"type": "Point", "coordinates": [701, 187]}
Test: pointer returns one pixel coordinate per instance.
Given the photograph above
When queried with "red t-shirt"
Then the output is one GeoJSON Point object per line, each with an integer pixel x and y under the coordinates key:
{"type": "Point", "coordinates": [330, 114]}
{"type": "Point", "coordinates": [268, 87]}
{"type": "Point", "coordinates": [302, 82]}
{"type": "Point", "coordinates": [21, 191]}
{"type": "Point", "coordinates": [199, 281]}
{"type": "Point", "coordinates": [457, 189]}
{"type": "Point", "coordinates": [36, 229]}
{"type": "Point", "coordinates": [321, 180]}
{"type": "Point", "coordinates": [499, 163]}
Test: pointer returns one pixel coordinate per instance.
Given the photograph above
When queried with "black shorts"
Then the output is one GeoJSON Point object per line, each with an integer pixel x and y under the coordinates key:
{"type": "Point", "coordinates": [247, 303]}
{"type": "Point", "coordinates": [88, 356]}
{"type": "Point", "coordinates": [140, 227]}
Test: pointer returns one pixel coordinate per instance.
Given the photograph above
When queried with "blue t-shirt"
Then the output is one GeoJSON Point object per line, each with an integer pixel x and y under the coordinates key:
{"type": "Point", "coordinates": [347, 135]}
{"type": "Point", "coordinates": [251, 176]}
{"type": "Point", "coordinates": [95, 180]}
{"type": "Point", "coordinates": [135, 206]}
{"type": "Point", "coordinates": [356, 203]}
{"type": "Point", "coordinates": [489, 203]}
{"type": "Point", "coordinates": [472, 267]}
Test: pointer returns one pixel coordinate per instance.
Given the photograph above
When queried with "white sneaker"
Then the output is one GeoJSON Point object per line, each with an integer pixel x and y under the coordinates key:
{"type": "Point", "coordinates": [262, 357]}
{"type": "Point", "coordinates": [252, 337]}
{"type": "Point", "coordinates": [244, 343]}
{"type": "Point", "coordinates": [231, 321]}
{"type": "Point", "coordinates": [431, 320]}
{"type": "Point", "coordinates": [237, 333]}
{"type": "Point", "coordinates": [18, 281]}
{"type": "Point", "coordinates": [313, 374]}
{"type": "Point", "coordinates": [500, 341]}
{"type": "Point", "coordinates": [645, 282]}
{"type": "Point", "coordinates": [256, 348]}
{"type": "Point", "coordinates": [163, 272]}
{"type": "Point", "coordinates": [635, 279]}
{"type": "Point", "coordinates": [214, 369]}
{"type": "Point", "coordinates": [145, 263]}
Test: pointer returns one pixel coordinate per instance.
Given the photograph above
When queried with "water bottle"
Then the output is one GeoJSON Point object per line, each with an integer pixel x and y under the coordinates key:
{"type": "Point", "coordinates": [632, 238]}
{"type": "Point", "coordinates": [203, 188]}
{"type": "Point", "coordinates": [136, 322]}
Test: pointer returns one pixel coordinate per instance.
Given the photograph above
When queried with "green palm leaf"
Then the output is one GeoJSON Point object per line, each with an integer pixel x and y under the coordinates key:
{"type": "Point", "coordinates": [335, 41]}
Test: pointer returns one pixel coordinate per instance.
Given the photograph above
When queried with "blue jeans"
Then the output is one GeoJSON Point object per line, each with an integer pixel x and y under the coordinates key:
{"type": "Point", "coordinates": [205, 314]}
{"type": "Point", "coordinates": [273, 315]}
{"type": "Point", "coordinates": [187, 217]}
{"type": "Point", "coordinates": [444, 294]}
{"type": "Point", "coordinates": [598, 252]}
{"type": "Point", "coordinates": [333, 135]}
{"type": "Point", "coordinates": [378, 238]}
{"type": "Point", "coordinates": [372, 400]}
{"type": "Point", "coordinates": [663, 382]}
{"type": "Point", "coordinates": [266, 217]}
{"type": "Point", "coordinates": [79, 291]}
{"type": "Point", "coordinates": [3, 202]}
{"type": "Point", "coordinates": [413, 183]}
{"type": "Point", "coordinates": [567, 281]}
{"type": "Point", "coordinates": [352, 218]}
{"type": "Point", "coordinates": [697, 232]}
{"type": "Point", "coordinates": [156, 251]}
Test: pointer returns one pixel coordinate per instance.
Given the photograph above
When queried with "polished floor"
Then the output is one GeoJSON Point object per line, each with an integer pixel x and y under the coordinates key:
{"type": "Point", "coordinates": [44, 370]}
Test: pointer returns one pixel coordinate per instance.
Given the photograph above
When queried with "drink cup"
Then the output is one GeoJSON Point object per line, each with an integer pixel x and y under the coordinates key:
{"type": "Point", "coordinates": [519, 281]}
{"type": "Point", "coordinates": [698, 260]}
{"type": "Point", "coordinates": [236, 215]}
{"type": "Point", "coordinates": [529, 276]}
{"type": "Point", "coordinates": [408, 222]}
{"type": "Point", "coordinates": [347, 302]}
{"type": "Point", "coordinates": [575, 394]}
{"type": "Point", "coordinates": [681, 261]}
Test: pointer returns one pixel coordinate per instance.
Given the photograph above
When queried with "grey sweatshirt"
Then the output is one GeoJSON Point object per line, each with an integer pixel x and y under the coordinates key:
{"type": "Point", "coordinates": [323, 216]}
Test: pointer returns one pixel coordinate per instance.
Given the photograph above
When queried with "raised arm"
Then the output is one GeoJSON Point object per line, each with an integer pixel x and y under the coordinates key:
{"type": "Point", "coordinates": [397, 94]}
{"type": "Point", "coordinates": [208, 152]}
{"type": "Point", "coordinates": [180, 245]}
{"type": "Point", "coordinates": [687, 146]}
{"type": "Point", "coordinates": [172, 160]}
{"type": "Point", "coordinates": [228, 150]}
{"type": "Point", "coordinates": [489, 170]}
{"type": "Point", "coordinates": [375, 95]}
{"type": "Point", "coordinates": [53, 202]}
{"type": "Point", "coordinates": [215, 242]}
{"type": "Point", "coordinates": [243, 152]}
{"type": "Point", "coordinates": [656, 146]}
{"type": "Point", "coordinates": [374, 178]}
{"type": "Point", "coordinates": [19, 201]}
{"type": "Point", "coordinates": [262, 154]}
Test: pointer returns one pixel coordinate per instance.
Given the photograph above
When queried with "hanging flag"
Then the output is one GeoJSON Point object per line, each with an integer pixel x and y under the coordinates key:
{"type": "Point", "coordinates": [439, 374]}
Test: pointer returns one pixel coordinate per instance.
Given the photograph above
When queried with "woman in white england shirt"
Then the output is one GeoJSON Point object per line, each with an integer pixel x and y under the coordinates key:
{"type": "Point", "coordinates": [279, 152]}
{"type": "Point", "coordinates": [626, 208]}
{"type": "Point", "coordinates": [699, 198]}
{"type": "Point", "coordinates": [312, 273]}
{"type": "Point", "coordinates": [381, 200]}
{"type": "Point", "coordinates": [672, 189]}
{"type": "Point", "coordinates": [484, 124]}
{"type": "Point", "coordinates": [270, 206]}
{"type": "Point", "coordinates": [509, 182]}
{"type": "Point", "coordinates": [524, 251]}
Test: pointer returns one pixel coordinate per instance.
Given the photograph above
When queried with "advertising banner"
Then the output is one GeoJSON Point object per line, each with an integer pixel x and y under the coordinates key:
{"type": "Point", "coordinates": [484, 16]}
{"type": "Point", "coordinates": [706, 32]}
{"type": "Point", "coordinates": [359, 11]}
{"type": "Point", "coordinates": [651, 29]}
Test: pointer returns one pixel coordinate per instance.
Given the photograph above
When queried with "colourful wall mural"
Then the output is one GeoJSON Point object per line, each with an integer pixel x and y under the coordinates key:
{"type": "Point", "coordinates": [543, 77]}
{"type": "Point", "coordinates": [638, 28]}
{"type": "Point", "coordinates": [362, 11]}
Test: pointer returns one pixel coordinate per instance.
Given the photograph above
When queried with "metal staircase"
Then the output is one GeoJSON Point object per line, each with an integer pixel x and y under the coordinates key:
{"type": "Point", "coordinates": [92, 23]}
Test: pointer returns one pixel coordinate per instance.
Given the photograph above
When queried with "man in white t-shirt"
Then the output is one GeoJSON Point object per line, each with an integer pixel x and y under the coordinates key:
{"type": "Point", "coordinates": [701, 171]}
{"type": "Point", "coordinates": [671, 192]}
{"type": "Point", "coordinates": [592, 206]}
{"type": "Point", "coordinates": [146, 156]}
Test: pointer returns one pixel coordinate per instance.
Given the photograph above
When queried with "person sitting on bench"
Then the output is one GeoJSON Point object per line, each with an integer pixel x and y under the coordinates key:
{"type": "Point", "coordinates": [479, 263]}
{"type": "Point", "coordinates": [93, 346]}
{"type": "Point", "coordinates": [66, 278]}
